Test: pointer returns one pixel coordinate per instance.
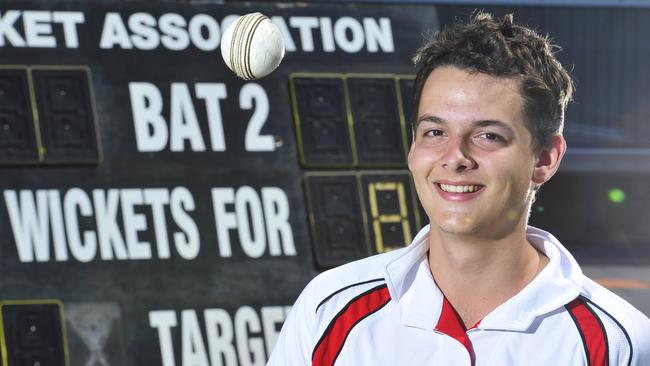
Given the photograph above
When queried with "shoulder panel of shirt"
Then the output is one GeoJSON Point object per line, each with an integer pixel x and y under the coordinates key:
{"type": "Point", "coordinates": [628, 330]}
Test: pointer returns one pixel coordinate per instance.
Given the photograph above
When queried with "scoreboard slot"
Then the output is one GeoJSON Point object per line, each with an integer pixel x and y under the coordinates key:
{"type": "Point", "coordinates": [65, 114]}
{"type": "Point", "coordinates": [322, 123]}
{"type": "Point", "coordinates": [389, 215]}
{"type": "Point", "coordinates": [336, 219]}
{"type": "Point", "coordinates": [47, 115]}
{"type": "Point", "coordinates": [355, 121]}
{"type": "Point", "coordinates": [352, 120]}
{"type": "Point", "coordinates": [355, 214]}
{"type": "Point", "coordinates": [376, 120]}
{"type": "Point", "coordinates": [32, 333]}
{"type": "Point", "coordinates": [18, 139]}
{"type": "Point", "coordinates": [392, 214]}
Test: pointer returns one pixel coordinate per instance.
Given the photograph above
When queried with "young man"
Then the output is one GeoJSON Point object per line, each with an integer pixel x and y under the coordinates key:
{"type": "Point", "coordinates": [477, 286]}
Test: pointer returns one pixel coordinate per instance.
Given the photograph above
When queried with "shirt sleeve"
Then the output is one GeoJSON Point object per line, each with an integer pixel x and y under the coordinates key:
{"type": "Point", "coordinates": [295, 342]}
{"type": "Point", "coordinates": [641, 342]}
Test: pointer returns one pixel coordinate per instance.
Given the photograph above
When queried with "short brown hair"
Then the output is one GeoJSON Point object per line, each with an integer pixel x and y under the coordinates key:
{"type": "Point", "coordinates": [504, 49]}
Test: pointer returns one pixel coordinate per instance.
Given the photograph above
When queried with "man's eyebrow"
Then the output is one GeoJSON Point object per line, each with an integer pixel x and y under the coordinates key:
{"type": "Point", "coordinates": [429, 118]}
{"type": "Point", "coordinates": [480, 123]}
{"type": "Point", "coordinates": [494, 122]}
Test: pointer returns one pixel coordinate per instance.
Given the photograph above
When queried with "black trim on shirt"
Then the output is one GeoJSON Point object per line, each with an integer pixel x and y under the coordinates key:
{"type": "Point", "coordinates": [354, 325]}
{"type": "Point", "coordinates": [333, 321]}
{"type": "Point", "coordinates": [582, 335]}
{"type": "Point", "coordinates": [345, 288]}
{"type": "Point", "coordinates": [627, 336]}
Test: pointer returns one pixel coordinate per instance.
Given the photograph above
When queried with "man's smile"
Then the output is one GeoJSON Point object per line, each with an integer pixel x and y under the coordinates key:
{"type": "Point", "coordinates": [458, 191]}
{"type": "Point", "coordinates": [459, 188]}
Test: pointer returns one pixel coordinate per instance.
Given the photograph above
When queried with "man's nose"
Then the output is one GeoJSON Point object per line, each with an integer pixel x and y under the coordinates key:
{"type": "Point", "coordinates": [457, 156]}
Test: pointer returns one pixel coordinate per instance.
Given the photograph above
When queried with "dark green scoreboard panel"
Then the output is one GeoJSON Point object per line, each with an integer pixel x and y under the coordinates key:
{"type": "Point", "coordinates": [156, 210]}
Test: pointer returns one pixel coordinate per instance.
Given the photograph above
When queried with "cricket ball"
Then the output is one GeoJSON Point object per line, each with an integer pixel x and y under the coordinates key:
{"type": "Point", "coordinates": [252, 46]}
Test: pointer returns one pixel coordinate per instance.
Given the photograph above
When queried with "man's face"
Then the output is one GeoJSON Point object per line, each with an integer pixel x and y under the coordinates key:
{"type": "Point", "coordinates": [472, 158]}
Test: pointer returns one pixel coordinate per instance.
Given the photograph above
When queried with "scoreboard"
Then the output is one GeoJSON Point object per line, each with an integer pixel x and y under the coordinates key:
{"type": "Point", "coordinates": [156, 210]}
{"type": "Point", "coordinates": [352, 140]}
{"type": "Point", "coordinates": [159, 211]}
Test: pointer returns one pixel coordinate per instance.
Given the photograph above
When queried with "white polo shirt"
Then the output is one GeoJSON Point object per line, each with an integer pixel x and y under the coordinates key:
{"type": "Point", "coordinates": [387, 310]}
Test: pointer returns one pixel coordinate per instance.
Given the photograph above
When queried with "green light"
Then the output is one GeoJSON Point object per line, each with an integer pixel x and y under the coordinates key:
{"type": "Point", "coordinates": [616, 195]}
{"type": "Point", "coordinates": [540, 208]}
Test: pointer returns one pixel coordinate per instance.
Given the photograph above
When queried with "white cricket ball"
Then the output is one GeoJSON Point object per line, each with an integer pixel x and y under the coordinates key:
{"type": "Point", "coordinates": [252, 46]}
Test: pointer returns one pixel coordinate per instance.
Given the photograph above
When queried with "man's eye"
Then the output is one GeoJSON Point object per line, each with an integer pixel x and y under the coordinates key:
{"type": "Point", "coordinates": [492, 137]}
{"type": "Point", "coordinates": [433, 133]}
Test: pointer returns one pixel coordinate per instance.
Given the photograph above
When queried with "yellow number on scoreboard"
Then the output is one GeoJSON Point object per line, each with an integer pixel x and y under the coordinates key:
{"type": "Point", "coordinates": [379, 218]}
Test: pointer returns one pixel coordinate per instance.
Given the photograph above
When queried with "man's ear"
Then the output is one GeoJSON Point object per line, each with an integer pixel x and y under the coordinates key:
{"type": "Point", "coordinates": [548, 159]}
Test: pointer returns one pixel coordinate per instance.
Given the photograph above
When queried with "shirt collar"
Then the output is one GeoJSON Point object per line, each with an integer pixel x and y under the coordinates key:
{"type": "Point", "coordinates": [420, 300]}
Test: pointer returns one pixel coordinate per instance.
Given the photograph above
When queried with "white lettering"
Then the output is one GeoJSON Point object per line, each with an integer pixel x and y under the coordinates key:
{"type": "Point", "coordinates": [184, 123]}
{"type": "Point", "coordinates": [76, 202]}
{"type": "Point", "coordinates": [248, 205]}
{"type": "Point", "coordinates": [378, 35]}
{"type": "Point", "coordinates": [220, 337]}
{"type": "Point", "coordinates": [134, 223]}
{"type": "Point", "coordinates": [250, 214]}
{"type": "Point", "coordinates": [242, 344]}
{"type": "Point", "coordinates": [253, 95]}
{"type": "Point", "coordinates": [192, 342]}
{"type": "Point", "coordinates": [30, 224]}
{"type": "Point", "coordinates": [197, 24]}
{"type": "Point", "coordinates": [341, 27]}
{"type": "Point", "coordinates": [69, 21]}
{"type": "Point", "coordinates": [145, 31]}
{"type": "Point", "coordinates": [32, 220]}
{"type": "Point", "coordinates": [276, 212]}
{"type": "Point", "coordinates": [114, 33]}
{"type": "Point", "coordinates": [56, 222]}
{"type": "Point", "coordinates": [108, 231]}
{"type": "Point", "coordinates": [187, 242]}
{"type": "Point", "coordinates": [38, 28]}
{"type": "Point", "coordinates": [157, 198]}
{"type": "Point", "coordinates": [151, 132]}
{"type": "Point", "coordinates": [306, 25]}
{"type": "Point", "coordinates": [145, 35]}
{"type": "Point", "coordinates": [8, 31]}
{"type": "Point", "coordinates": [212, 93]}
{"type": "Point", "coordinates": [163, 321]}
{"type": "Point", "coordinates": [224, 220]}
{"type": "Point", "coordinates": [326, 34]}
{"type": "Point", "coordinates": [250, 349]}
{"type": "Point", "coordinates": [174, 36]}
{"type": "Point", "coordinates": [272, 316]}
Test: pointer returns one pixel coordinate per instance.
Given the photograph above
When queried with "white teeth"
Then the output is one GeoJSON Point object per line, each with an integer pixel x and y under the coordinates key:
{"type": "Point", "coordinates": [458, 189]}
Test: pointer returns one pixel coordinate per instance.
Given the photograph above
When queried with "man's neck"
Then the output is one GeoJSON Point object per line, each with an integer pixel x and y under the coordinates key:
{"type": "Point", "coordinates": [478, 274]}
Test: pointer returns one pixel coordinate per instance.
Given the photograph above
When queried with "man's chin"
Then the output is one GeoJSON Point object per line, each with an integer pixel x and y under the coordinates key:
{"type": "Point", "coordinates": [458, 225]}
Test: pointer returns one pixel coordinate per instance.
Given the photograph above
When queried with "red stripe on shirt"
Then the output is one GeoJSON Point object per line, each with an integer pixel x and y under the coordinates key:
{"type": "Point", "coordinates": [592, 332]}
{"type": "Point", "coordinates": [451, 325]}
{"type": "Point", "coordinates": [331, 343]}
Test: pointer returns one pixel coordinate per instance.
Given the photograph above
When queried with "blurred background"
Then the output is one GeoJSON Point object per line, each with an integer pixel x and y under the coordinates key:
{"type": "Point", "coordinates": [157, 210]}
